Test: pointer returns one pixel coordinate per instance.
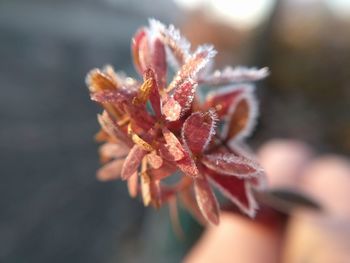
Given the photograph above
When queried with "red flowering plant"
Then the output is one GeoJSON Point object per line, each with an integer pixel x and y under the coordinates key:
{"type": "Point", "coordinates": [153, 129]}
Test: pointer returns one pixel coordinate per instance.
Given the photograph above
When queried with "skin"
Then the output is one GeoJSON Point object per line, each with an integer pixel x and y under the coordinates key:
{"type": "Point", "coordinates": [290, 164]}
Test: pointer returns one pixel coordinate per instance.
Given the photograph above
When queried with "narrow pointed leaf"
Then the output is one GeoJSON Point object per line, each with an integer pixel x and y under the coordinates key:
{"type": "Point", "coordinates": [159, 63]}
{"type": "Point", "coordinates": [189, 201]}
{"type": "Point", "coordinates": [140, 50]}
{"type": "Point", "coordinates": [184, 94]}
{"type": "Point", "coordinates": [206, 200]}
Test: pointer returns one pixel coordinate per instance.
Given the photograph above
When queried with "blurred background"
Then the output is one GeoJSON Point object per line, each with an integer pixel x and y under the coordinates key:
{"type": "Point", "coordinates": [52, 207]}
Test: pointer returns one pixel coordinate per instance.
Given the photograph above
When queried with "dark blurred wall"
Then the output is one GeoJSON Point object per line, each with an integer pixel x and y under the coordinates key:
{"type": "Point", "coordinates": [52, 207]}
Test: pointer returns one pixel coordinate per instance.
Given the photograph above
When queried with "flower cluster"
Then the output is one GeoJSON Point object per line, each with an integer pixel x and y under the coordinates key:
{"type": "Point", "coordinates": [166, 142]}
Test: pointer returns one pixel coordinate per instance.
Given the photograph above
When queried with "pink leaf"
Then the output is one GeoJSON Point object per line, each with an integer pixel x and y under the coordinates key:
{"type": "Point", "coordinates": [237, 190]}
{"type": "Point", "coordinates": [171, 37]}
{"type": "Point", "coordinates": [154, 95]}
{"type": "Point", "coordinates": [242, 117]}
{"type": "Point", "coordinates": [230, 164]}
{"type": "Point", "coordinates": [110, 96]}
{"type": "Point", "coordinates": [154, 160]}
{"type": "Point", "coordinates": [223, 99]}
{"type": "Point", "coordinates": [159, 63]}
{"type": "Point", "coordinates": [110, 171]}
{"type": "Point", "coordinates": [98, 81]}
{"type": "Point", "coordinates": [171, 109]}
{"type": "Point", "coordinates": [173, 146]}
{"type": "Point", "coordinates": [193, 65]}
{"type": "Point", "coordinates": [206, 200]}
{"type": "Point", "coordinates": [231, 75]}
{"type": "Point", "coordinates": [184, 94]}
{"type": "Point", "coordinates": [112, 128]}
{"type": "Point", "coordinates": [170, 152]}
{"type": "Point", "coordinates": [132, 161]}
{"type": "Point", "coordinates": [186, 164]}
{"type": "Point", "coordinates": [113, 151]}
{"type": "Point", "coordinates": [198, 129]}
{"type": "Point", "coordinates": [164, 171]}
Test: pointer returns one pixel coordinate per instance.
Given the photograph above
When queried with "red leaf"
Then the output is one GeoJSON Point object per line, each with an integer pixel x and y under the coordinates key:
{"type": "Point", "coordinates": [198, 129]}
{"type": "Point", "coordinates": [206, 200]}
{"type": "Point", "coordinates": [159, 63]}
{"type": "Point", "coordinates": [223, 99]}
{"type": "Point", "coordinates": [230, 164]}
{"type": "Point", "coordinates": [140, 50]}
{"type": "Point", "coordinates": [237, 190]}
{"type": "Point", "coordinates": [242, 118]}
{"type": "Point", "coordinates": [132, 162]}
